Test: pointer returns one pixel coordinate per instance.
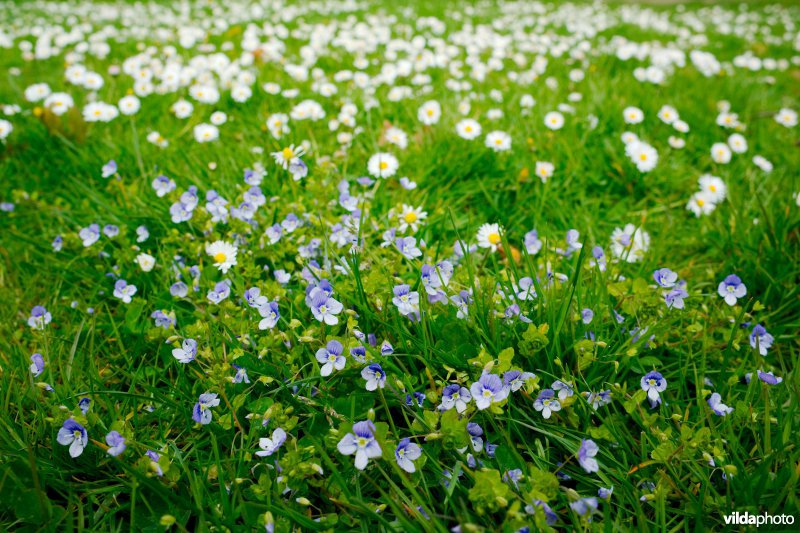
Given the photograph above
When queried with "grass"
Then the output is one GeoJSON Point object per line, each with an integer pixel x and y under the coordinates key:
{"type": "Point", "coordinates": [656, 460]}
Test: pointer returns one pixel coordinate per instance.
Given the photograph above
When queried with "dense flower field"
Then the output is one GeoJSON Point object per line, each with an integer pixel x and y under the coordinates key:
{"type": "Point", "coordinates": [413, 267]}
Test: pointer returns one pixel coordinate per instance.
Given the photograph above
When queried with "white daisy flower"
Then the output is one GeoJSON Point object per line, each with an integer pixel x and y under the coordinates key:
{"type": "Point", "coordinates": [430, 112]}
{"type": "Point", "coordinates": [554, 120]}
{"type": "Point", "coordinates": [223, 254]}
{"type": "Point", "coordinates": [468, 129]}
{"type": "Point", "coordinates": [489, 236]}
{"type": "Point", "coordinates": [382, 165]}
{"type": "Point", "coordinates": [499, 141]}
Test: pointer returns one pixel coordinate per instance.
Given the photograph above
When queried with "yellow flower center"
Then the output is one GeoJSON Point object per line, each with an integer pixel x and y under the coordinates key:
{"type": "Point", "coordinates": [643, 157]}
{"type": "Point", "coordinates": [383, 165]}
{"type": "Point", "coordinates": [468, 129]}
{"type": "Point", "coordinates": [362, 442]}
{"type": "Point", "coordinates": [494, 238]}
{"type": "Point", "coordinates": [287, 153]}
{"type": "Point", "coordinates": [712, 188]}
{"type": "Point", "coordinates": [701, 202]}
{"type": "Point", "coordinates": [430, 112]}
{"type": "Point", "coordinates": [411, 217]}
{"type": "Point", "coordinates": [220, 257]}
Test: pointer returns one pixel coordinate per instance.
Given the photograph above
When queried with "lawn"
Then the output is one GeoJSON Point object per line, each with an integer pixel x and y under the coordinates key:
{"type": "Point", "coordinates": [388, 266]}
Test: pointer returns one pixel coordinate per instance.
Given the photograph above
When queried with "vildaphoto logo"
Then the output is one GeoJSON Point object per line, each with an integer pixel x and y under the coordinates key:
{"type": "Point", "coordinates": [748, 519]}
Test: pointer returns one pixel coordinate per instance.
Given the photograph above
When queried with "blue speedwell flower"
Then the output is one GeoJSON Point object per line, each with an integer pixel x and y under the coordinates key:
{"type": "Point", "coordinates": [586, 455]}
{"type": "Point", "coordinates": [597, 399]}
{"type": "Point", "coordinates": [674, 298]}
{"type": "Point", "coordinates": [475, 436]}
{"type": "Point", "coordinates": [769, 378]}
{"type": "Point", "coordinates": [547, 403]}
{"type": "Point", "coordinates": [163, 319]}
{"type": "Point", "coordinates": [187, 352]}
{"type": "Point", "coordinates": [455, 395]}
{"type": "Point", "coordinates": [37, 364]}
{"type": "Point", "coordinates": [665, 278]}
{"type": "Point", "coordinates": [549, 515]}
{"type": "Point", "coordinates": [716, 405]}
{"type": "Point", "coordinates": [116, 443]}
{"type": "Point", "coordinates": [406, 453]}
{"type": "Point", "coordinates": [406, 300]}
{"type": "Point", "coordinates": [270, 445]}
{"type": "Point", "coordinates": [179, 289]}
{"type": "Point", "coordinates": [375, 376]}
{"type": "Point", "coordinates": [731, 289]}
{"type": "Point", "coordinates": [324, 307]}
{"type": "Point", "coordinates": [359, 353]}
{"type": "Point", "coordinates": [605, 493]}
{"type": "Point", "coordinates": [39, 318]}
{"type": "Point", "coordinates": [331, 358]}
{"type": "Point", "coordinates": [487, 390]}
{"type": "Point", "coordinates": [90, 234]}
{"type": "Point", "coordinates": [202, 409]}
{"type": "Point", "coordinates": [84, 404]}
{"type": "Point", "coordinates": [73, 435]}
{"type": "Point", "coordinates": [653, 383]}
{"type": "Point", "coordinates": [761, 340]}
{"type": "Point", "coordinates": [109, 169]}
{"type": "Point", "coordinates": [362, 443]}
{"type": "Point", "coordinates": [386, 348]}
{"type": "Point", "coordinates": [124, 291]}
{"type": "Point", "coordinates": [154, 459]}
{"type": "Point", "coordinates": [417, 398]}
{"type": "Point", "coordinates": [585, 506]}
{"type": "Point", "coordinates": [220, 292]}
{"type": "Point", "coordinates": [563, 389]}
{"type": "Point", "coordinates": [241, 375]}
{"type": "Point", "coordinates": [515, 379]}
{"type": "Point", "coordinates": [269, 315]}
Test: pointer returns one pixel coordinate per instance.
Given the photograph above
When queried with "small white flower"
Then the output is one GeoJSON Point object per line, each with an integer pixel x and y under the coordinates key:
{"type": "Point", "coordinates": [429, 112]}
{"type": "Point", "coordinates": [544, 170]}
{"type": "Point", "coordinates": [382, 165]}
{"type": "Point", "coordinates": [489, 236]}
{"type": "Point", "coordinates": [499, 141]}
{"type": "Point", "coordinates": [720, 153]}
{"type": "Point", "coordinates": [204, 133]}
{"type": "Point", "coordinates": [468, 129]}
{"type": "Point", "coordinates": [554, 120]}
{"type": "Point", "coordinates": [633, 115]}
{"type": "Point", "coordinates": [146, 262]}
{"type": "Point", "coordinates": [223, 254]}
